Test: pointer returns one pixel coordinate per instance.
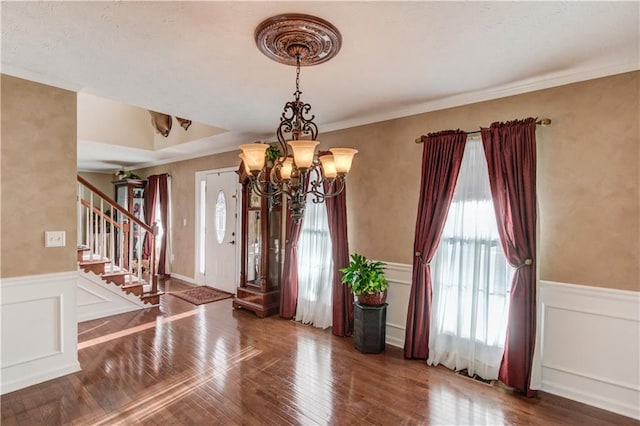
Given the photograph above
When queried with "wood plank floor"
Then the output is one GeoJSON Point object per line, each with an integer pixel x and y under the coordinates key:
{"type": "Point", "coordinates": [186, 364]}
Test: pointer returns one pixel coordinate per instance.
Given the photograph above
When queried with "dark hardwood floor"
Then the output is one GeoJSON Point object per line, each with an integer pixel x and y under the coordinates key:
{"type": "Point", "coordinates": [186, 364]}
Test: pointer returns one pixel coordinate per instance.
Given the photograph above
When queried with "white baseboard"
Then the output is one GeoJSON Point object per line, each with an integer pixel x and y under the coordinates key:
{"type": "Point", "coordinates": [591, 345]}
{"type": "Point", "coordinates": [39, 329]}
{"type": "Point", "coordinates": [186, 279]}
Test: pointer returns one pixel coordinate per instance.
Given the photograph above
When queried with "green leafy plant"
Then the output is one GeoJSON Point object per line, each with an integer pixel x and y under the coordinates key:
{"type": "Point", "coordinates": [126, 175]}
{"type": "Point", "coordinates": [273, 152]}
{"type": "Point", "coordinates": [364, 276]}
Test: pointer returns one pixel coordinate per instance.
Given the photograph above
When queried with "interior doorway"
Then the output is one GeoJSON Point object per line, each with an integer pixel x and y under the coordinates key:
{"type": "Point", "coordinates": [217, 231]}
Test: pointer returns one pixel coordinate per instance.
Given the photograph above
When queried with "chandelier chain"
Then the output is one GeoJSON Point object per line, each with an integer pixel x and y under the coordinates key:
{"type": "Point", "coordinates": [298, 92]}
{"type": "Point", "coordinates": [304, 174]}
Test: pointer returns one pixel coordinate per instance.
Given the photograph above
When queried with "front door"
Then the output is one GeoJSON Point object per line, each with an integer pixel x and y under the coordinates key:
{"type": "Point", "coordinates": [220, 231]}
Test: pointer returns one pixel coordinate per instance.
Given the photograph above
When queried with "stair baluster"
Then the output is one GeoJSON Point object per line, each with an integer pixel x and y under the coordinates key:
{"type": "Point", "coordinates": [118, 258]}
{"type": "Point", "coordinates": [112, 248]}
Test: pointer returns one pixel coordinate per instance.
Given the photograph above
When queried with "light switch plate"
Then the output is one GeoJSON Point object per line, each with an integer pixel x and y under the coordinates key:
{"type": "Point", "coordinates": [54, 239]}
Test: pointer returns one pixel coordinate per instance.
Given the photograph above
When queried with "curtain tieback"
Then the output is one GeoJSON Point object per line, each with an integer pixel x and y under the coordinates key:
{"type": "Point", "coordinates": [419, 256]}
{"type": "Point", "coordinates": [291, 244]}
{"type": "Point", "coordinates": [527, 262]}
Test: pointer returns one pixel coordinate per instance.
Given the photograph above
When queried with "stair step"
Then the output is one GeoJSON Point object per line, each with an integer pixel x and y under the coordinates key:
{"type": "Point", "coordinates": [151, 298]}
{"type": "Point", "coordinates": [81, 250]}
{"type": "Point", "coordinates": [95, 266]}
{"type": "Point", "coordinates": [94, 261]}
{"type": "Point", "coordinates": [116, 278]}
{"type": "Point", "coordinates": [133, 288]}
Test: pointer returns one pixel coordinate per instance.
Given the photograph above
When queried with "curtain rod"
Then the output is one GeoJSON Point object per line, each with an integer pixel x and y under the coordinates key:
{"type": "Point", "coordinates": [544, 122]}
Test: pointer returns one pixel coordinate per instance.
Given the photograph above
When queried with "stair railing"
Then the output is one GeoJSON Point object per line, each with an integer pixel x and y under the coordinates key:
{"type": "Point", "coordinates": [118, 237]}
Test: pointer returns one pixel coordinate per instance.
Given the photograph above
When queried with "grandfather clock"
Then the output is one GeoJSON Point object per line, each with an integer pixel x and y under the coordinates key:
{"type": "Point", "coordinates": [261, 260]}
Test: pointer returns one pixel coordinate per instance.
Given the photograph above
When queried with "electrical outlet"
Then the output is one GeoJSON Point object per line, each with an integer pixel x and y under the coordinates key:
{"type": "Point", "coordinates": [54, 239]}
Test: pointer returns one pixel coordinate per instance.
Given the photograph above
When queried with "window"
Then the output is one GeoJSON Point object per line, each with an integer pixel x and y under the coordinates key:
{"type": "Point", "coordinates": [221, 216]}
{"type": "Point", "coordinates": [471, 277]}
{"type": "Point", "coordinates": [315, 267]}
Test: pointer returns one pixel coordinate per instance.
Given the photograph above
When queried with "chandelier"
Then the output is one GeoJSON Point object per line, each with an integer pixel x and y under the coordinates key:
{"type": "Point", "coordinates": [299, 40]}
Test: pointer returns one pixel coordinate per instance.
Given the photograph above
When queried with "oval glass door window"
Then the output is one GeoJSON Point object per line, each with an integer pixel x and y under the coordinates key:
{"type": "Point", "coordinates": [221, 216]}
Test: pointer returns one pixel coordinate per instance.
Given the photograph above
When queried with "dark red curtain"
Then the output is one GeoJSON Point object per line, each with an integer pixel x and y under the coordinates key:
{"type": "Point", "coordinates": [163, 195]}
{"type": "Point", "coordinates": [150, 200]}
{"type": "Point", "coordinates": [289, 287]}
{"type": "Point", "coordinates": [342, 298]}
{"type": "Point", "coordinates": [157, 192]}
{"type": "Point", "coordinates": [441, 159]}
{"type": "Point", "coordinates": [510, 149]}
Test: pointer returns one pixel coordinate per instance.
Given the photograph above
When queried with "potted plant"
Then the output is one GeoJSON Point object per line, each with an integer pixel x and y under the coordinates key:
{"type": "Point", "coordinates": [366, 280]}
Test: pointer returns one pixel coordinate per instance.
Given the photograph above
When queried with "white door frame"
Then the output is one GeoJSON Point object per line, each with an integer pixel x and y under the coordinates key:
{"type": "Point", "coordinates": [201, 176]}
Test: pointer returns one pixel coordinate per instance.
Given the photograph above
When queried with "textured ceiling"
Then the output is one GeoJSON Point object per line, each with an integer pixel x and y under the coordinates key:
{"type": "Point", "coordinates": [199, 59]}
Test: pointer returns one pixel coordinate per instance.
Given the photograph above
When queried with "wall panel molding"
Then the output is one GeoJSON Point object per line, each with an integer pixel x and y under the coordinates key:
{"type": "Point", "coordinates": [399, 277]}
{"type": "Point", "coordinates": [39, 329]}
{"type": "Point", "coordinates": [591, 345]}
{"type": "Point", "coordinates": [590, 341]}
{"type": "Point", "coordinates": [98, 299]}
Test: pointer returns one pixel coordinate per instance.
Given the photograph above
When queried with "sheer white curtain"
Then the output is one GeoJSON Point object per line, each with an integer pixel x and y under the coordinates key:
{"type": "Point", "coordinates": [471, 277]}
{"type": "Point", "coordinates": [315, 267]}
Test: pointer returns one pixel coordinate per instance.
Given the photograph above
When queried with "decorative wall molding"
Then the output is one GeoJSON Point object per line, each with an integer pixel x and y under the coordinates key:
{"type": "Point", "coordinates": [98, 299]}
{"type": "Point", "coordinates": [509, 89]}
{"type": "Point", "coordinates": [591, 345]}
{"type": "Point", "coordinates": [39, 329]}
{"type": "Point", "coordinates": [399, 277]}
{"type": "Point", "coordinates": [590, 340]}
{"type": "Point", "coordinates": [399, 273]}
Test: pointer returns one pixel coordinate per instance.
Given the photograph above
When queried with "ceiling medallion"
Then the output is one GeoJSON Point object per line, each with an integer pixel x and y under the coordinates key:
{"type": "Point", "coordinates": [297, 173]}
{"type": "Point", "coordinates": [283, 37]}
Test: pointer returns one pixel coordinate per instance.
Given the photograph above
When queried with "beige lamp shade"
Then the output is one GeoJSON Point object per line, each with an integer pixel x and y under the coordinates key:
{"type": "Point", "coordinates": [286, 169]}
{"type": "Point", "coordinates": [328, 166]}
{"type": "Point", "coordinates": [303, 152]}
{"type": "Point", "coordinates": [254, 155]}
{"type": "Point", "coordinates": [244, 164]}
{"type": "Point", "coordinates": [342, 158]}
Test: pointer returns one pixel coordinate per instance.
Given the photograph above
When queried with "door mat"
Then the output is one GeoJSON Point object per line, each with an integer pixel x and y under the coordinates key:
{"type": "Point", "coordinates": [201, 295]}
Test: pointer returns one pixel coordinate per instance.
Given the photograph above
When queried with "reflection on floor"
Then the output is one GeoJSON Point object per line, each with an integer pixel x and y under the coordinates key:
{"type": "Point", "coordinates": [185, 364]}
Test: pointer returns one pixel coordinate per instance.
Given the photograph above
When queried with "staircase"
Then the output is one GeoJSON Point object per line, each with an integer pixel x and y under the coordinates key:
{"type": "Point", "coordinates": [111, 246]}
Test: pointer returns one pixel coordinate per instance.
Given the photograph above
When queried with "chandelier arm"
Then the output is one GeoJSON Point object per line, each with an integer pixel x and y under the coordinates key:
{"type": "Point", "coordinates": [262, 193]}
{"type": "Point", "coordinates": [341, 185]}
{"type": "Point", "coordinates": [294, 40]}
{"type": "Point", "coordinates": [257, 187]}
{"type": "Point", "coordinates": [273, 177]}
{"type": "Point", "coordinates": [317, 182]}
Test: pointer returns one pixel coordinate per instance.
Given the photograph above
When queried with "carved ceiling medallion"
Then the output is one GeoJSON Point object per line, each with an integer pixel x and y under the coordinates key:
{"type": "Point", "coordinates": [283, 37]}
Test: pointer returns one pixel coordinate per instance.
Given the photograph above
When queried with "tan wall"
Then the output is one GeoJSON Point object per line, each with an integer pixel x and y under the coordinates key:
{"type": "Point", "coordinates": [102, 181]}
{"type": "Point", "coordinates": [589, 192]}
{"type": "Point", "coordinates": [106, 121]}
{"type": "Point", "coordinates": [178, 135]}
{"type": "Point", "coordinates": [183, 182]}
{"type": "Point", "coordinates": [589, 189]}
{"type": "Point", "coordinates": [38, 163]}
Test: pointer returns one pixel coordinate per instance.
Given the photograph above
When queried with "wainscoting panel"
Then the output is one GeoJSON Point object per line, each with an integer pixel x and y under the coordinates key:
{"type": "Point", "coordinates": [39, 329]}
{"type": "Point", "coordinates": [399, 277]}
{"type": "Point", "coordinates": [98, 299]}
{"type": "Point", "coordinates": [591, 345]}
{"type": "Point", "coordinates": [590, 340]}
